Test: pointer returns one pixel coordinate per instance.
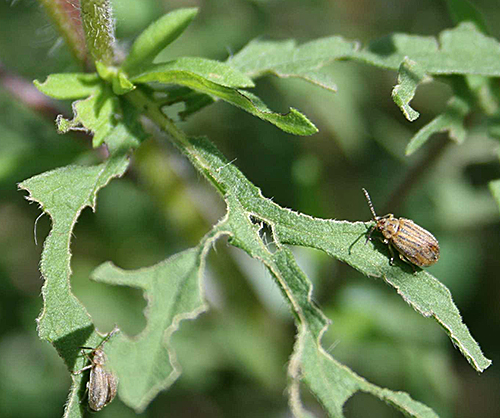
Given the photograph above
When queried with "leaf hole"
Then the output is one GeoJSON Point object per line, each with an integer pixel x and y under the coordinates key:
{"type": "Point", "coordinates": [111, 306]}
{"type": "Point", "coordinates": [266, 233]}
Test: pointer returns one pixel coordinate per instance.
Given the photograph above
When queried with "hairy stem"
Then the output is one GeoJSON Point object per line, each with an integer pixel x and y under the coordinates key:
{"type": "Point", "coordinates": [97, 19]}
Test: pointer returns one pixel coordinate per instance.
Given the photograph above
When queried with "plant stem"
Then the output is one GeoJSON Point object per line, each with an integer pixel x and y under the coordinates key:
{"type": "Point", "coordinates": [97, 19]}
{"type": "Point", "coordinates": [65, 16]}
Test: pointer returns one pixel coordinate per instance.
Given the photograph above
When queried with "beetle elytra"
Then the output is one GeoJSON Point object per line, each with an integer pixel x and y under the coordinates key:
{"type": "Point", "coordinates": [102, 383]}
{"type": "Point", "coordinates": [414, 244]}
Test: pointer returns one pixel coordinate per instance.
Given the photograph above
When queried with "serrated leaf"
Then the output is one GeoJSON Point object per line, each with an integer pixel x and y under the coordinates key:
{"type": "Point", "coordinates": [211, 70]}
{"type": "Point", "coordinates": [451, 120]}
{"type": "Point", "coordinates": [331, 383]}
{"type": "Point", "coordinates": [286, 59]}
{"type": "Point", "coordinates": [422, 291]}
{"type": "Point", "coordinates": [156, 37]}
{"type": "Point", "coordinates": [462, 50]}
{"type": "Point", "coordinates": [346, 242]}
{"type": "Point", "coordinates": [146, 364]}
{"type": "Point", "coordinates": [64, 322]}
{"type": "Point", "coordinates": [70, 86]}
{"type": "Point", "coordinates": [110, 119]}
{"type": "Point", "coordinates": [292, 122]}
{"type": "Point", "coordinates": [94, 114]}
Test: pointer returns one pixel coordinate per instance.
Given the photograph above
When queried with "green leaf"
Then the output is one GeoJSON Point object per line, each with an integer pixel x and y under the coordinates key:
{"type": "Point", "coordinates": [146, 364]}
{"type": "Point", "coordinates": [64, 322]}
{"type": "Point", "coordinates": [94, 114]}
{"type": "Point", "coordinates": [110, 118]}
{"type": "Point", "coordinates": [346, 242]}
{"type": "Point", "coordinates": [70, 85]}
{"type": "Point", "coordinates": [409, 77]}
{"type": "Point", "coordinates": [462, 50]}
{"type": "Point", "coordinates": [331, 382]}
{"type": "Point", "coordinates": [286, 59]}
{"type": "Point", "coordinates": [121, 84]}
{"type": "Point", "coordinates": [422, 291]}
{"type": "Point", "coordinates": [156, 37]}
{"type": "Point", "coordinates": [116, 77]}
{"type": "Point", "coordinates": [104, 115]}
{"type": "Point", "coordinates": [211, 70]}
{"type": "Point", "coordinates": [292, 122]}
{"type": "Point", "coordinates": [451, 120]}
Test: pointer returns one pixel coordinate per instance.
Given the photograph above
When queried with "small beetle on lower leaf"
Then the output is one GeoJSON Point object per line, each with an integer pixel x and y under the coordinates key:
{"type": "Point", "coordinates": [102, 383]}
{"type": "Point", "coordinates": [414, 244]}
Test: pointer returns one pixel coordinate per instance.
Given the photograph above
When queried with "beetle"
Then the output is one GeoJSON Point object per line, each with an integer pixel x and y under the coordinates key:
{"type": "Point", "coordinates": [414, 244]}
{"type": "Point", "coordinates": [102, 383]}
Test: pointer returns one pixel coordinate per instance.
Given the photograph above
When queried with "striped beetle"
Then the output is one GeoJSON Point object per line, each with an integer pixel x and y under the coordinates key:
{"type": "Point", "coordinates": [414, 244]}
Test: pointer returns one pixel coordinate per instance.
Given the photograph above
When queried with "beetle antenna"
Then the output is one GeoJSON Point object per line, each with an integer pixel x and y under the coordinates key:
{"type": "Point", "coordinates": [110, 334]}
{"type": "Point", "coordinates": [106, 338]}
{"type": "Point", "coordinates": [370, 204]}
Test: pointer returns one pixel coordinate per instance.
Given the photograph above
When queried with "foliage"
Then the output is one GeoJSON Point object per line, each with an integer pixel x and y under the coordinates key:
{"type": "Point", "coordinates": [109, 104]}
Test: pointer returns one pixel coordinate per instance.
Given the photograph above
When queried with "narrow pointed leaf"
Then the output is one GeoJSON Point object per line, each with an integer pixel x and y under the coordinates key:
{"type": "Point", "coordinates": [211, 70]}
{"type": "Point", "coordinates": [292, 122]}
{"type": "Point", "coordinates": [156, 37]}
{"type": "Point", "coordinates": [69, 86]}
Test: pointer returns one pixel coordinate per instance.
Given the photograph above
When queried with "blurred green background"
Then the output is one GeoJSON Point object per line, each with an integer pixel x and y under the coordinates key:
{"type": "Point", "coordinates": [234, 357]}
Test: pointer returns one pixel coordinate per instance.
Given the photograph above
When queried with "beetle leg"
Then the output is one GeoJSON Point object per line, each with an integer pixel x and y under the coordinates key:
{"type": "Point", "coordinates": [82, 370]}
{"type": "Point", "coordinates": [391, 261]}
{"type": "Point", "coordinates": [369, 237]}
{"type": "Point", "coordinates": [86, 367]}
{"type": "Point", "coordinates": [402, 257]}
